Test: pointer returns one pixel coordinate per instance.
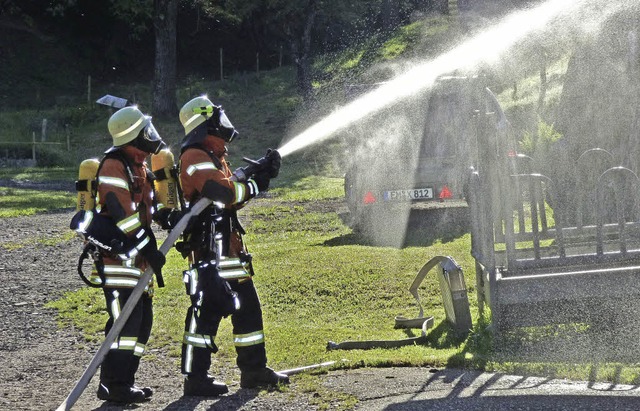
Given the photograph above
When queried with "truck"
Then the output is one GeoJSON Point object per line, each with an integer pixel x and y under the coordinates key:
{"type": "Point", "coordinates": [407, 176]}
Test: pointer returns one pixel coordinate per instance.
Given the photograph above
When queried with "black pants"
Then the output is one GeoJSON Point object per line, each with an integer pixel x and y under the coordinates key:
{"type": "Point", "coordinates": [202, 323]}
{"type": "Point", "coordinates": [121, 362]}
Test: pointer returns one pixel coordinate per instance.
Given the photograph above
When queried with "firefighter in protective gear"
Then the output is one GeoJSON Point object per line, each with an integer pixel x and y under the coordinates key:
{"type": "Point", "coordinates": [215, 249]}
{"type": "Point", "coordinates": [125, 194]}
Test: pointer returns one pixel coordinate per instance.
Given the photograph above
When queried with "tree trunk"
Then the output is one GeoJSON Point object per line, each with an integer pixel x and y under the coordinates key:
{"type": "Point", "coordinates": [301, 50]}
{"type": "Point", "coordinates": [387, 15]}
{"type": "Point", "coordinates": [164, 81]}
{"type": "Point", "coordinates": [543, 81]}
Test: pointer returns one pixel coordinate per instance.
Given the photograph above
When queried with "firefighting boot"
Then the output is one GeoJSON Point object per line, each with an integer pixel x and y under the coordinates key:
{"type": "Point", "coordinates": [262, 377]}
{"type": "Point", "coordinates": [123, 394]}
{"type": "Point", "coordinates": [203, 386]}
{"type": "Point", "coordinates": [148, 392]}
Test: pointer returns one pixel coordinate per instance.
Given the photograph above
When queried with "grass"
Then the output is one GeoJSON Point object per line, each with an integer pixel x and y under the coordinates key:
{"type": "Point", "coordinates": [318, 283]}
{"type": "Point", "coordinates": [39, 174]}
{"type": "Point", "coordinates": [16, 202]}
{"type": "Point", "coordinates": [312, 292]}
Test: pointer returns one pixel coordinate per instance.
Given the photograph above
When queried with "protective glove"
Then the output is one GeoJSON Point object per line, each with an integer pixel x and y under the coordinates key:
{"type": "Point", "coordinates": [148, 248]}
{"type": "Point", "coordinates": [275, 161]}
{"type": "Point", "coordinates": [167, 217]}
{"type": "Point", "coordinates": [262, 179]}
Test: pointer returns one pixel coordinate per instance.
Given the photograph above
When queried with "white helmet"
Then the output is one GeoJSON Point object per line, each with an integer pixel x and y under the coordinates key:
{"type": "Point", "coordinates": [128, 123]}
{"type": "Point", "coordinates": [200, 117]}
{"type": "Point", "coordinates": [195, 112]}
{"type": "Point", "coordinates": [125, 125]}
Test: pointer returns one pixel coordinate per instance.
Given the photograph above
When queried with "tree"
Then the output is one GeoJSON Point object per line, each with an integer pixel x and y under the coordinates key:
{"type": "Point", "coordinates": [300, 42]}
{"type": "Point", "coordinates": [164, 79]}
{"type": "Point", "coordinates": [300, 25]}
{"type": "Point", "coordinates": [293, 23]}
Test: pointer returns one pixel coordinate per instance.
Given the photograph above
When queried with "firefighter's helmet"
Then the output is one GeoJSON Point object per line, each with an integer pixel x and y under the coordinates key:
{"type": "Point", "coordinates": [200, 117]}
{"type": "Point", "coordinates": [130, 125]}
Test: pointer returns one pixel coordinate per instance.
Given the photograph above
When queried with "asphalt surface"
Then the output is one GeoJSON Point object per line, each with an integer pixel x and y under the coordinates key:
{"type": "Point", "coordinates": [409, 389]}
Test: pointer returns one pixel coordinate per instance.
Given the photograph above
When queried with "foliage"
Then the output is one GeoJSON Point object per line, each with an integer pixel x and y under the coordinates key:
{"type": "Point", "coordinates": [112, 40]}
{"type": "Point", "coordinates": [539, 144]}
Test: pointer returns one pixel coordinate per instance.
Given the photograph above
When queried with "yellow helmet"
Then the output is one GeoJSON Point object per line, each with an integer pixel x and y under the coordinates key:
{"type": "Point", "coordinates": [125, 125]}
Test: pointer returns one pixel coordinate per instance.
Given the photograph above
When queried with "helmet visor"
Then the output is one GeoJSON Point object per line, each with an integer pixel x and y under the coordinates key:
{"type": "Point", "coordinates": [226, 128]}
{"type": "Point", "coordinates": [149, 140]}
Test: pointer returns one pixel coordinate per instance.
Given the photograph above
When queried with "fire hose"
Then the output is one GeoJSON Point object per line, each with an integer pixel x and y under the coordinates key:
{"type": "Point", "coordinates": [136, 293]}
{"type": "Point", "coordinates": [422, 322]}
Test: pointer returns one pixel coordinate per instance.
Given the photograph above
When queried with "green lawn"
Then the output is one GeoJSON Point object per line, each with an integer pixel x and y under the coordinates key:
{"type": "Point", "coordinates": [313, 291]}
{"type": "Point", "coordinates": [19, 202]}
{"type": "Point", "coordinates": [319, 283]}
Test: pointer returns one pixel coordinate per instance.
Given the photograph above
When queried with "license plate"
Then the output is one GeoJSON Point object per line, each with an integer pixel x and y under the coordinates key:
{"type": "Point", "coordinates": [406, 195]}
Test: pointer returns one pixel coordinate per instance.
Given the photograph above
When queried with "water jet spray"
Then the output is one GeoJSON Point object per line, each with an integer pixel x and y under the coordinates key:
{"type": "Point", "coordinates": [486, 47]}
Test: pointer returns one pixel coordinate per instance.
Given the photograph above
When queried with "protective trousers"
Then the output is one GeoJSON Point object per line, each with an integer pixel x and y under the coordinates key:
{"type": "Point", "coordinates": [121, 362]}
{"type": "Point", "coordinates": [201, 327]}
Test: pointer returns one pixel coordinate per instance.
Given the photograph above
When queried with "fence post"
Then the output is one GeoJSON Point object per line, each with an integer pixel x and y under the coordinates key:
{"type": "Point", "coordinates": [221, 73]}
{"type": "Point", "coordinates": [257, 64]}
{"type": "Point", "coordinates": [43, 137]}
{"type": "Point", "coordinates": [66, 128]}
{"type": "Point", "coordinates": [89, 89]}
{"type": "Point", "coordinates": [33, 147]}
{"type": "Point", "coordinates": [280, 57]}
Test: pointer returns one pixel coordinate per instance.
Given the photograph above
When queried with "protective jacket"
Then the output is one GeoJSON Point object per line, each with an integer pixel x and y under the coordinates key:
{"type": "Point", "coordinates": [125, 193]}
{"type": "Point", "coordinates": [204, 172]}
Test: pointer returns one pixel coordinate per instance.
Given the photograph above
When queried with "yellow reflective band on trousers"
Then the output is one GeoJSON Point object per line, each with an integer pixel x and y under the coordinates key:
{"type": "Point", "coordinates": [139, 349]}
{"type": "Point", "coordinates": [245, 340]}
{"type": "Point", "coordinates": [197, 340]}
{"type": "Point", "coordinates": [125, 344]}
{"type": "Point", "coordinates": [117, 276]}
{"type": "Point", "coordinates": [190, 340]}
{"type": "Point", "coordinates": [232, 269]}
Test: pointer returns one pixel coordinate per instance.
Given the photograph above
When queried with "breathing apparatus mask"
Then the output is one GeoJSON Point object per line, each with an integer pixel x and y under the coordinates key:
{"type": "Point", "coordinates": [218, 124]}
{"type": "Point", "coordinates": [148, 140]}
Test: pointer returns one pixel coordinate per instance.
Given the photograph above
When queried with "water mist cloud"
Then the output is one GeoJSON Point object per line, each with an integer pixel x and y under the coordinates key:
{"type": "Point", "coordinates": [484, 48]}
